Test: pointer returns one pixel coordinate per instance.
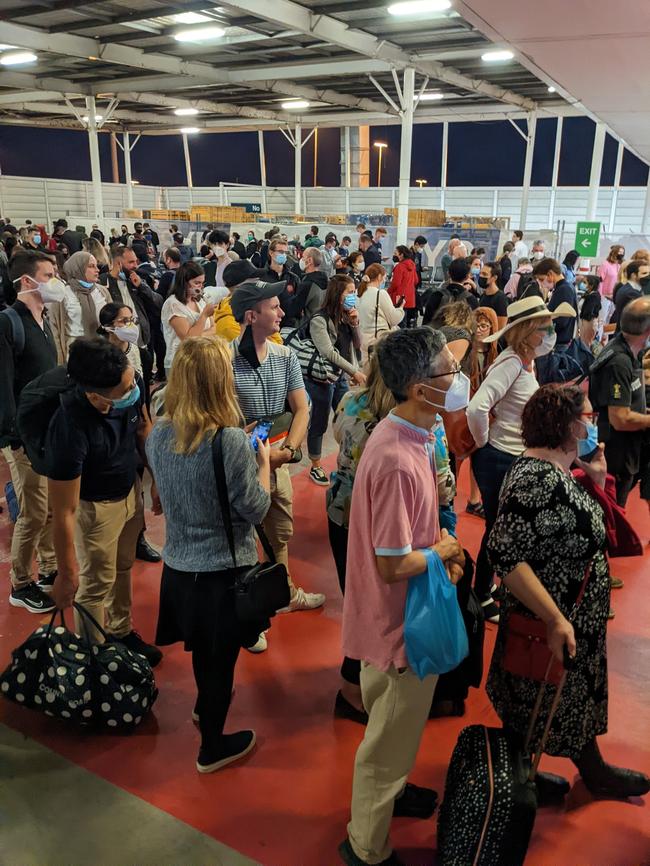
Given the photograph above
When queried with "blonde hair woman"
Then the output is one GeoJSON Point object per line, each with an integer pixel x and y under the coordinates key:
{"type": "Point", "coordinates": [93, 246]}
{"type": "Point", "coordinates": [197, 604]}
{"type": "Point", "coordinates": [494, 414]}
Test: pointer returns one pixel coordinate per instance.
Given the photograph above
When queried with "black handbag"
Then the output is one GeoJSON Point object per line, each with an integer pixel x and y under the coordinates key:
{"type": "Point", "coordinates": [264, 589]}
{"type": "Point", "coordinates": [66, 676]}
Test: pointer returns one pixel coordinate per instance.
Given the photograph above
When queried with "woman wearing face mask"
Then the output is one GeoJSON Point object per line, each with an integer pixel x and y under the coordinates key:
{"type": "Point", "coordinates": [334, 331]}
{"type": "Point", "coordinates": [556, 570]}
{"type": "Point", "coordinates": [403, 282]}
{"type": "Point", "coordinates": [77, 315]}
{"type": "Point", "coordinates": [494, 414]}
{"type": "Point", "coordinates": [377, 313]}
{"type": "Point", "coordinates": [569, 267]}
{"type": "Point", "coordinates": [116, 323]}
{"type": "Point", "coordinates": [354, 266]}
{"type": "Point", "coordinates": [608, 270]}
{"type": "Point", "coordinates": [185, 313]}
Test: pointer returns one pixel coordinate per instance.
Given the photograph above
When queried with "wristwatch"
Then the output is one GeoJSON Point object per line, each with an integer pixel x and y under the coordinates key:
{"type": "Point", "coordinates": [296, 453]}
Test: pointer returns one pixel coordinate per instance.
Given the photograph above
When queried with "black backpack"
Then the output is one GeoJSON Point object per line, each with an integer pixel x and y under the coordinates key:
{"type": "Point", "coordinates": [527, 287]}
{"type": "Point", "coordinates": [37, 404]}
{"type": "Point", "coordinates": [565, 364]}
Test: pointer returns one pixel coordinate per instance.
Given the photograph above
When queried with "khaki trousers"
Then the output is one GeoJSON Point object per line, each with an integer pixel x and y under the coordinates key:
{"type": "Point", "coordinates": [33, 529]}
{"type": "Point", "coordinates": [278, 523]}
{"type": "Point", "coordinates": [398, 705]}
{"type": "Point", "coordinates": [106, 534]}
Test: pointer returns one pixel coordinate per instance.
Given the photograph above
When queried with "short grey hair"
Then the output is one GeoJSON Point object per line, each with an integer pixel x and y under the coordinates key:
{"type": "Point", "coordinates": [635, 318]}
{"type": "Point", "coordinates": [315, 255]}
{"type": "Point", "coordinates": [409, 356]}
{"type": "Point", "coordinates": [539, 242]}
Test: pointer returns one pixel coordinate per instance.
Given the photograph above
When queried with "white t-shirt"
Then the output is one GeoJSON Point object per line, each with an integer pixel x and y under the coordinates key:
{"type": "Point", "coordinates": [376, 302]}
{"type": "Point", "coordinates": [170, 309]}
{"type": "Point", "coordinates": [520, 252]}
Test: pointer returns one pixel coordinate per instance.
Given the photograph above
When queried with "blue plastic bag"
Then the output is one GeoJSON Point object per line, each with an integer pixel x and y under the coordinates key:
{"type": "Point", "coordinates": [434, 631]}
{"type": "Point", "coordinates": [12, 502]}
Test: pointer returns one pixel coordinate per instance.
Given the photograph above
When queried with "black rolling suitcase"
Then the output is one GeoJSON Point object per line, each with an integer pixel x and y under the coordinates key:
{"type": "Point", "coordinates": [488, 812]}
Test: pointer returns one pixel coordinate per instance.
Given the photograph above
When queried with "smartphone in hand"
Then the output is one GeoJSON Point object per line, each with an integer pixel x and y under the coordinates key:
{"type": "Point", "coordinates": [261, 432]}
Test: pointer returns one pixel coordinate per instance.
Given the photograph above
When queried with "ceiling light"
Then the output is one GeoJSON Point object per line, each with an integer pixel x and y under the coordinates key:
{"type": "Point", "coordinates": [189, 130]}
{"type": "Point", "coordinates": [430, 97]}
{"type": "Point", "coordinates": [199, 34]}
{"type": "Point", "coordinates": [496, 56]}
{"type": "Point", "coordinates": [551, 89]}
{"type": "Point", "coordinates": [295, 104]}
{"type": "Point", "coordinates": [7, 47]}
{"type": "Point", "coordinates": [17, 58]}
{"type": "Point", "coordinates": [418, 7]}
{"type": "Point", "coordinates": [98, 117]}
{"type": "Point", "coordinates": [191, 18]}
{"type": "Point", "coordinates": [380, 144]}
{"type": "Point", "coordinates": [135, 182]}
{"type": "Point", "coordinates": [185, 112]}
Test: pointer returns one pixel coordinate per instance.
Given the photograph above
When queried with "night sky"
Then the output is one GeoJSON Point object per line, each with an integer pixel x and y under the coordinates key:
{"type": "Point", "coordinates": [487, 153]}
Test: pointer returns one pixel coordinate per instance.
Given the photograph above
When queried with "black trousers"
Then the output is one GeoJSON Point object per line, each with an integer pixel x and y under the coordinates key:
{"type": "Point", "coordinates": [157, 344]}
{"type": "Point", "coordinates": [147, 367]}
{"type": "Point", "coordinates": [351, 668]}
{"type": "Point", "coordinates": [214, 674]}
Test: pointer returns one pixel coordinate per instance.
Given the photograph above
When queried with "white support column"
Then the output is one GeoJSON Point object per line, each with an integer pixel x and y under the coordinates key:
{"type": "Point", "coordinates": [298, 169]}
{"type": "Point", "coordinates": [46, 197]}
{"type": "Point", "coordinates": [188, 166]}
{"type": "Point", "coordinates": [528, 169]}
{"type": "Point", "coordinates": [95, 168]}
{"type": "Point", "coordinates": [495, 202]}
{"type": "Point", "coordinates": [405, 156]}
{"type": "Point", "coordinates": [617, 183]}
{"type": "Point", "coordinates": [126, 147]}
{"type": "Point", "coordinates": [645, 219]}
{"type": "Point", "coordinates": [596, 168]}
{"type": "Point", "coordinates": [556, 171]}
{"type": "Point", "coordinates": [347, 159]}
{"type": "Point", "coordinates": [260, 141]}
{"type": "Point", "coordinates": [443, 164]}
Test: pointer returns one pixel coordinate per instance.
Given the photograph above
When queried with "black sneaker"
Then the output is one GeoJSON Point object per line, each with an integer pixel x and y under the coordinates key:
{"type": "Point", "coordinates": [145, 552]}
{"type": "Point", "coordinates": [46, 581]}
{"type": "Point", "coordinates": [350, 858]}
{"type": "Point", "coordinates": [319, 476]}
{"type": "Point", "coordinates": [490, 610]}
{"type": "Point", "coordinates": [32, 599]}
{"type": "Point", "coordinates": [232, 748]}
{"type": "Point", "coordinates": [134, 642]}
{"type": "Point", "coordinates": [415, 802]}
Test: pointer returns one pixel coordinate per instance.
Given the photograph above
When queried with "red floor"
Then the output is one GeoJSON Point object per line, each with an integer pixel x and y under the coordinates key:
{"type": "Point", "coordinates": [287, 804]}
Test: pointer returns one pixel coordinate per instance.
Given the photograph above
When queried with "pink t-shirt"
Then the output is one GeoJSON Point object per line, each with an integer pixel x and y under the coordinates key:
{"type": "Point", "coordinates": [608, 273]}
{"type": "Point", "coordinates": [394, 511]}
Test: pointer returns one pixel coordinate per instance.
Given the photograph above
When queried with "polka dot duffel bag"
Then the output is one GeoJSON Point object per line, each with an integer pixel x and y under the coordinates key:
{"type": "Point", "coordinates": [105, 686]}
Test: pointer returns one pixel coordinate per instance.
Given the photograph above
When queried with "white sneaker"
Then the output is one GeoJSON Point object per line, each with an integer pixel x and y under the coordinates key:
{"type": "Point", "coordinates": [302, 600]}
{"type": "Point", "coordinates": [261, 645]}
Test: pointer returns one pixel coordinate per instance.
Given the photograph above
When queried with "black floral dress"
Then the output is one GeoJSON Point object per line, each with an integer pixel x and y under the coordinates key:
{"type": "Point", "coordinates": [549, 521]}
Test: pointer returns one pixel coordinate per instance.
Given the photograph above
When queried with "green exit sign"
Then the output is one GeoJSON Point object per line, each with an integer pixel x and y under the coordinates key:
{"type": "Point", "coordinates": [587, 237]}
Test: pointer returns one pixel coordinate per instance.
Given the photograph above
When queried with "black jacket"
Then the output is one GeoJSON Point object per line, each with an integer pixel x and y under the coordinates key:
{"type": "Point", "coordinates": [304, 302]}
{"type": "Point", "coordinates": [146, 303]}
{"type": "Point", "coordinates": [372, 255]}
{"type": "Point", "coordinates": [240, 249]}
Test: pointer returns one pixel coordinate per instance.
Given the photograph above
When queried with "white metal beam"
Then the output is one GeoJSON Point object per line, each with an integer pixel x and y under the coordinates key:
{"type": "Point", "coordinates": [596, 169]}
{"type": "Point", "coordinates": [127, 55]}
{"type": "Point", "coordinates": [206, 105]}
{"type": "Point", "coordinates": [332, 30]}
{"type": "Point", "coordinates": [528, 169]}
{"type": "Point", "coordinates": [132, 117]}
{"type": "Point", "coordinates": [95, 166]}
{"type": "Point", "coordinates": [405, 156]}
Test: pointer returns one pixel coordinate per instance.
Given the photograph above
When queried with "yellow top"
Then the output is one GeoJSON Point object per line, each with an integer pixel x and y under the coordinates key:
{"type": "Point", "coordinates": [226, 326]}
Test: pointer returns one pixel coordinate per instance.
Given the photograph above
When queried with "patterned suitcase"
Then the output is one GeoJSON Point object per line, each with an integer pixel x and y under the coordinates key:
{"type": "Point", "coordinates": [490, 803]}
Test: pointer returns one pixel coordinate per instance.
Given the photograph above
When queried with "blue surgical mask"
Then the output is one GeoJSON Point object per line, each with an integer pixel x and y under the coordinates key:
{"type": "Point", "coordinates": [129, 399]}
{"type": "Point", "coordinates": [350, 302]}
{"type": "Point", "coordinates": [85, 284]}
{"type": "Point", "coordinates": [281, 258]}
{"type": "Point", "coordinates": [586, 446]}
{"type": "Point", "coordinates": [122, 276]}
{"type": "Point", "coordinates": [36, 239]}
{"type": "Point", "coordinates": [476, 272]}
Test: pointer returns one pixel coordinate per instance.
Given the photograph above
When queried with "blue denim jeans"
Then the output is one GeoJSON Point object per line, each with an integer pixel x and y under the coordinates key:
{"type": "Point", "coordinates": [324, 398]}
{"type": "Point", "coordinates": [490, 467]}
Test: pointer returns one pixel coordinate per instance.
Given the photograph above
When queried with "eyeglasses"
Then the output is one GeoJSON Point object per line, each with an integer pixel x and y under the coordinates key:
{"type": "Point", "coordinates": [125, 321]}
{"type": "Point", "coordinates": [453, 372]}
{"type": "Point", "coordinates": [590, 416]}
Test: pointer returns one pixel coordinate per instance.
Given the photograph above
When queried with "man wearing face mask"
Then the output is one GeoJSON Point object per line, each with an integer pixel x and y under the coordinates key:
{"type": "Point", "coordinates": [34, 240]}
{"type": "Point", "coordinates": [278, 270]}
{"type": "Point", "coordinates": [395, 526]}
{"type": "Point", "coordinates": [221, 256]}
{"type": "Point", "coordinates": [638, 284]}
{"type": "Point", "coordinates": [557, 290]}
{"type": "Point", "coordinates": [26, 351]}
{"type": "Point", "coordinates": [538, 251]}
{"type": "Point", "coordinates": [92, 446]}
{"type": "Point", "coordinates": [491, 294]}
{"type": "Point", "coordinates": [310, 293]}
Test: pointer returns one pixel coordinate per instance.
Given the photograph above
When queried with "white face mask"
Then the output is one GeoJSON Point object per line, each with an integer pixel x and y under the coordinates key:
{"type": "Point", "coordinates": [302, 264]}
{"type": "Point", "coordinates": [219, 251]}
{"type": "Point", "coordinates": [359, 266]}
{"type": "Point", "coordinates": [51, 292]}
{"type": "Point", "coordinates": [126, 333]}
{"type": "Point", "coordinates": [546, 346]}
{"type": "Point", "coordinates": [538, 254]}
{"type": "Point", "coordinates": [456, 397]}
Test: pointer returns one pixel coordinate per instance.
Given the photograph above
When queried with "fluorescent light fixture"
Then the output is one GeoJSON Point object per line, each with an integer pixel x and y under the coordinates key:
{"type": "Point", "coordinates": [191, 18]}
{"type": "Point", "coordinates": [551, 89]}
{"type": "Point", "coordinates": [189, 130]}
{"type": "Point", "coordinates": [17, 58]}
{"type": "Point", "coordinates": [199, 34]}
{"type": "Point", "coordinates": [295, 104]}
{"type": "Point", "coordinates": [186, 112]}
{"type": "Point", "coordinates": [135, 182]}
{"type": "Point", "coordinates": [98, 117]}
{"type": "Point", "coordinates": [380, 144]}
{"type": "Point", "coordinates": [496, 56]}
{"type": "Point", "coordinates": [4, 47]}
{"type": "Point", "coordinates": [429, 97]}
{"type": "Point", "coordinates": [418, 7]}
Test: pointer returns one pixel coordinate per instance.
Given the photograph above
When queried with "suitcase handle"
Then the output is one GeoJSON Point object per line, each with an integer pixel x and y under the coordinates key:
{"type": "Point", "coordinates": [569, 664]}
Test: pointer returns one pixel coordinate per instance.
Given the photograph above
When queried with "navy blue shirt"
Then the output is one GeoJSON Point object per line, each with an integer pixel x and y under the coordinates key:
{"type": "Point", "coordinates": [81, 441]}
{"type": "Point", "coordinates": [565, 325]}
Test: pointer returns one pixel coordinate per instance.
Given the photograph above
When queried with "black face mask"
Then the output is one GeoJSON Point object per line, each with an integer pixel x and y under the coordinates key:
{"type": "Point", "coordinates": [247, 348]}
{"type": "Point", "coordinates": [620, 257]}
{"type": "Point", "coordinates": [644, 282]}
{"type": "Point", "coordinates": [395, 259]}
{"type": "Point", "coordinates": [483, 282]}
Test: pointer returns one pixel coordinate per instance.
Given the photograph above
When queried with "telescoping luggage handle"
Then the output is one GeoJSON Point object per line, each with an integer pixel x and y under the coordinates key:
{"type": "Point", "coordinates": [537, 757]}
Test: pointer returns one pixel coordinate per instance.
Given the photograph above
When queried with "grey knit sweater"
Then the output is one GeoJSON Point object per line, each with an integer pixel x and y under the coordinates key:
{"type": "Point", "coordinates": [195, 538]}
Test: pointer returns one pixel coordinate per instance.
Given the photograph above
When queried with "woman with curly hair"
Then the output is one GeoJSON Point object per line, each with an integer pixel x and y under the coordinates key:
{"type": "Point", "coordinates": [548, 542]}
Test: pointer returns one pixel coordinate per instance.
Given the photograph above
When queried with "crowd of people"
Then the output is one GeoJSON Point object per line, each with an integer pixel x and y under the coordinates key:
{"type": "Point", "coordinates": [121, 364]}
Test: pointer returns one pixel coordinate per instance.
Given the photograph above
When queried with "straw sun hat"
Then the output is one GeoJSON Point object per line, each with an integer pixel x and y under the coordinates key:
{"type": "Point", "coordinates": [527, 309]}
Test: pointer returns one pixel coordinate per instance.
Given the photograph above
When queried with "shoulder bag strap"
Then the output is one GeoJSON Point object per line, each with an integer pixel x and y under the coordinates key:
{"type": "Point", "coordinates": [377, 311]}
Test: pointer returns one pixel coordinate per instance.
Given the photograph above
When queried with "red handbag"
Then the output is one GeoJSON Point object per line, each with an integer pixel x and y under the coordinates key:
{"type": "Point", "coordinates": [526, 653]}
